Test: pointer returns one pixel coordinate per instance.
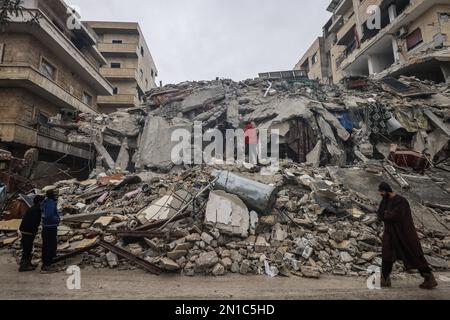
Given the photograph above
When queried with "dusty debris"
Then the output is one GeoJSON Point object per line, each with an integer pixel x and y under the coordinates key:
{"type": "Point", "coordinates": [314, 215]}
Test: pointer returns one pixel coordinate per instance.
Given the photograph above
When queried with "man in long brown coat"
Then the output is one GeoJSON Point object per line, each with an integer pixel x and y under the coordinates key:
{"type": "Point", "coordinates": [400, 239]}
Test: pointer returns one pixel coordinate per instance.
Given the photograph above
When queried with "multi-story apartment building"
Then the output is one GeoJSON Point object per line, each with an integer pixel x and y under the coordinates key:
{"type": "Point", "coordinates": [46, 67]}
{"type": "Point", "coordinates": [315, 61]}
{"type": "Point", "coordinates": [389, 37]}
{"type": "Point", "coordinates": [130, 68]}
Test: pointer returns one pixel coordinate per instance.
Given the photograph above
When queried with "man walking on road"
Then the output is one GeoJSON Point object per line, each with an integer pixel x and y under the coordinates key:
{"type": "Point", "coordinates": [400, 239]}
{"type": "Point", "coordinates": [28, 229]}
{"type": "Point", "coordinates": [50, 222]}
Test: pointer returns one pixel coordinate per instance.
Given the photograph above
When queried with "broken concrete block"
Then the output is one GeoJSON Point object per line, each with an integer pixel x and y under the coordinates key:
{"type": "Point", "coordinates": [123, 159]}
{"type": "Point", "coordinates": [235, 267]}
{"type": "Point", "coordinates": [310, 272]}
{"type": "Point", "coordinates": [206, 260]}
{"type": "Point", "coordinates": [235, 256]}
{"type": "Point", "coordinates": [200, 98]}
{"type": "Point", "coordinates": [245, 266]}
{"type": "Point", "coordinates": [135, 249]}
{"type": "Point", "coordinates": [307, 253]}
{"type": "Point", "coordinates": [194, 237]}
{"type": "Point", "coordinates": [103, 222]}
{"type": "Point", "coordinates": [184, 246]}
{"type": "Point", "coordinates": [369, 256]}
{"type": "Point", "coordinates": [261, 244]}
{"type": "Point", "coordinates": [339, 236]}
{"type": "Point", "coordinates": [346, 257]}
{"type": "Point", "coordinates": [227, 263]}
{"type": "Point", "coordinates": [207, 238]}
{"type": "Point", "coordinates": [165, 208]}
{"type": "Point", "coordinates": [278, 233]}
{"type": "Point", "coordinates": [313, 157]}
{"type": "Point", "coordinates": [227, 213]}
{"type": "Point", "coordinates": [123, 124]}
{"type": "Point", "coordinates": [155, 147]}
{"type": "Point", "coordinates": [113, 260]}
{"type": "Point", "coordinates": [169, 264]}
{"type": "Point", "coordinates": [176, 254]}
{"type": "Point", "coordinates": [218, 270]}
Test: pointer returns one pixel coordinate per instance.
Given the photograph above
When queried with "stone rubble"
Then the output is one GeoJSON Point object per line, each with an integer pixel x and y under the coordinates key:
{"type": "Point", "coordinates": [316, 224]}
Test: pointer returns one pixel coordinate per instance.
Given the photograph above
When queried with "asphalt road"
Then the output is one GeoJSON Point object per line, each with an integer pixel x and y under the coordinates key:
{"type": "Point", "coordinates": [136, 284]}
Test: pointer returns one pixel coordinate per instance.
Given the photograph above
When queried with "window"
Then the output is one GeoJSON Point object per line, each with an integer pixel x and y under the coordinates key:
{"type": "Point", "coordinates": [146, 83]}
{"type": "Point", "coordinates": [414, 39]}
{"type": "Point", "coordinates": [115, 65]}
{"type": "Point", "coordinates": [117, 41]}
{"type": "Point", "coordinates": [2, 46]}
{"type": "Point", "coordinates": [116, 91]}
{"type": "Point", "coordinates": [87, 99]}
{"type": "Point", "coordinates": [315, 58]}
{"type": "Point", "coordinates": [42, 120]}
{"type": "Point", "coordinates": [142, 74]}
{"type": "Point", "coordinates": [142, 51]}
{"type": "Point", "coordinates": [153, 73]}
{"type": "Point", "coordinates": [48, 69]}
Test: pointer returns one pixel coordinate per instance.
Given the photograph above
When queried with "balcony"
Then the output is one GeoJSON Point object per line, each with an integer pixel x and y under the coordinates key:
{"type": "Point", "coordinates": [53, 38]}
{"type": "Point", "coordinates": [123, 100]}
{"type": "Point", "coordinates": [340, 7]}
{"type": "Point", "coordinates": [119, 49]}
{"type": "Point", "coordinates": [26, 76]}
{"type": "Point", "coordinates": [44, 138]}
{"type": "Point", "coordinates": [338, 22]}
{"type": "Point", "coordinates": [119, 74]}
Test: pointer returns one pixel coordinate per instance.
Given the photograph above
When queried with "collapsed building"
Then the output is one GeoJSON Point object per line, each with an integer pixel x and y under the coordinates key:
{"type": "Point", "coordinates": [382, 38]}
{"type": "Point", "coordinates": [315, 214]}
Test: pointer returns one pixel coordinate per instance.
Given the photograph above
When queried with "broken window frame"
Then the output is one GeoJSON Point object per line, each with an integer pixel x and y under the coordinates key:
{"type": "Point", "coordinates": [48, 69]}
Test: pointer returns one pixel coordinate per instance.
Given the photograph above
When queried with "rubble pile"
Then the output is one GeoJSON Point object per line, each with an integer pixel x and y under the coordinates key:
{"type": "Point", "coordinates": [318, 124]}
{"type": "Point", "coordinates": [315, 215]}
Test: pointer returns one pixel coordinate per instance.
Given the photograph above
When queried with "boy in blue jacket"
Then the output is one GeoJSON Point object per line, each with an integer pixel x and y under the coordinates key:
{"type": "Point", "coordinates": [50, 223]}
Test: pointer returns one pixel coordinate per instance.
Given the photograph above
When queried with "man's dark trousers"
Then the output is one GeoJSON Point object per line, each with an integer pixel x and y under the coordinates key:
{"type": "Point", "coordinates": [49, 245]}
{"type": "Point", "coordinates": [27, 247]}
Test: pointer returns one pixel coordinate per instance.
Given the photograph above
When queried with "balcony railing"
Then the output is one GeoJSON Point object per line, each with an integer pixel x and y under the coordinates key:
{"type": "Point", "coordinates": [119, 73]}
{"type": "Point", "coordinates": [52, 133]}
{"type": "Point", "coordinates": [118, 49]}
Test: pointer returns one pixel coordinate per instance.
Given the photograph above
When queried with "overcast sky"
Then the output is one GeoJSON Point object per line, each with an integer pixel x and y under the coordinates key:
{"type": "Point", "coordinates": [205, 39]}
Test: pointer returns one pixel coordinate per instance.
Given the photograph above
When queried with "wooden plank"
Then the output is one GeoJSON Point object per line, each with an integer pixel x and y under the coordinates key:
{"type": "Point", "coordinates": [10, 225]}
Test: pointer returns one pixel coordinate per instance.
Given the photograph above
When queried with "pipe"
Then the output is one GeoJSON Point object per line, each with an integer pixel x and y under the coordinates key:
{"type": "Point", "coordinates": [257, 196]}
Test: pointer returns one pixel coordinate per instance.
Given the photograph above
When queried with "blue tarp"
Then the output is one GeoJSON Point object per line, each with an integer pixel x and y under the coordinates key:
{"type": "Point", "coordinates": [345, 119]}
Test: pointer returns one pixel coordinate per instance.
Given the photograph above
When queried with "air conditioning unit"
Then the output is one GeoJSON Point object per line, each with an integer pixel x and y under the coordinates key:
{"type": "Point", "coordinates": [402, 33]}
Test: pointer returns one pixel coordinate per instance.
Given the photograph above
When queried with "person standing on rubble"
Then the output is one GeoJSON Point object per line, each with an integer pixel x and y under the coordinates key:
{"type": "Point", "coordinates": [29, 229]}
{"type": "Point", "coordinates": [50, 223]}
{"type": "Point", "coordinates": [400, 239]}
{"type": "Point", "coordinates": [251, 142]}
